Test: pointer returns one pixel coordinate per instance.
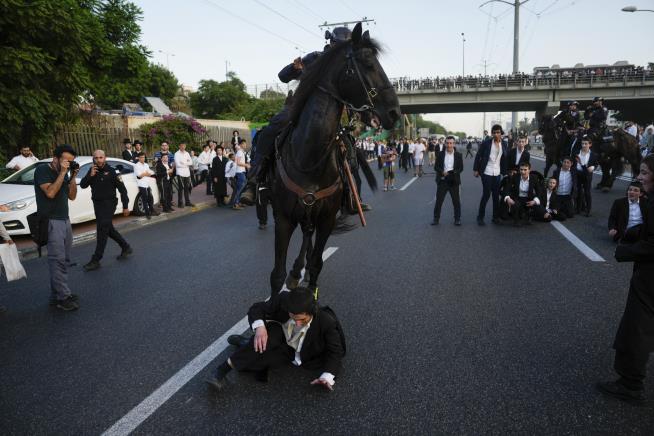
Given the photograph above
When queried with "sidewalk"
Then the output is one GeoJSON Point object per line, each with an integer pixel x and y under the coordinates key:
{"type": "Point", "coordinates": [86, 231]}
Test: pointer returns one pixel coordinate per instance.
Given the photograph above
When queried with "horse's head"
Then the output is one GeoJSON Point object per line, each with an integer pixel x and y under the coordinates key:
{"type": "Point", "coordinates": [362, 82]}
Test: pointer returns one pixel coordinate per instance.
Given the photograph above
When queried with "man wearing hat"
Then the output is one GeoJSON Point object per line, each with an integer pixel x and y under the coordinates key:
{"type": "Point", "coordinates": [266, 141]}
{"type": "Point", "coordinates": [289, 328]}
{"type": "Point", "coordinates": [596, 115]}
{"type": "Point", "coordinates": [128, 154]}
{"type": "Point", "coordinates": [53, 187]}
{"type": "Point", "coordinates": [138, 147]}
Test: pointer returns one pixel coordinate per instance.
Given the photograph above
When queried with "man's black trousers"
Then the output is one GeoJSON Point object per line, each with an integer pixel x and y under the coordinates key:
{"type": "Point", "coordinates": [104, 212]}
{"type": "Point", "coordinates": [183, 185]}
{"type": "Point", "coordinates": [442, 188]}
{"type": "Point", "coordinates": [263, 199]}
{"type": "Point", "coordinates": [278, 352]}
{"type": "Point", "coordinates": [584, 198]}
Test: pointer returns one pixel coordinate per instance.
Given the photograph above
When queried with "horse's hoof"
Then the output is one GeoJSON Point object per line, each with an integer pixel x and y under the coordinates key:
{"type": "Point", "coordinates": [292, 282]}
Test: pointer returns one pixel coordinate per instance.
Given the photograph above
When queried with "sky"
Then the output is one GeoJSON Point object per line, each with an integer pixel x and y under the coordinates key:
{"type": "Point", "coordinates": [198, 39]}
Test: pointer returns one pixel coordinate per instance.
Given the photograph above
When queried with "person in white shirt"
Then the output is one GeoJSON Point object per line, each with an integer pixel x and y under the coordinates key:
{"type": "Point", "coordinates": [628, 214]}
{"type": "Point", "coordinates": [183, 164]}
{"type": "Point", "coordinates": [230, 174]}
{"type": "Point", "coordinates": [142, 171]}
{"type": "Point", "coordinates": [290, 329]}
{"type": "Point", "coordinates": [490, 164]}
{"type": "Point", "coordinates": [418, 157]}
{"type": "Point", "coordinates": [204, 163]}
{"type": "Point", "coordinates": [631, 129]}
{"type": "Point", "coordinates": [24, 159]}
{"type": "Point", "coordinates": [241, 167]}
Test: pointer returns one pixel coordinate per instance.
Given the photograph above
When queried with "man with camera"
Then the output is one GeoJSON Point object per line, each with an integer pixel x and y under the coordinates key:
{"type": "Point", "coordinates": [104, 181]}
{"type": "Point", "coordinates": [53, 187]}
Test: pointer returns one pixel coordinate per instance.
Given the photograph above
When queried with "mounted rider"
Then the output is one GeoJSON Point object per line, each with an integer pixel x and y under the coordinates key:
{"type": "Point", "coordinates": [266, 138]}
{"type": "Point", "coordinates": [596, 115]}
{"type": "Point", "coordinates": [570, 122]}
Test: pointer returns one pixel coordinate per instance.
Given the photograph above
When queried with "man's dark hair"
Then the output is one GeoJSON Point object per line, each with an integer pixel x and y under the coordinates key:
{"type": "Point", "coordinates": [64, 148]}
{"type": "Point", "coordinates": [236, 131]}
{"type": "Point", "coordinates": [525, 164]}
{"type": "Point", "coordinates": [143, 154]}
{"type": "Point", "coordinates": [301, 300]}
{"type": "Point", "coordinates": [220, 147]}
{"type": "Point", "coordinates": [566, 158]}
{"type": "Point", "coordinates": [636, 184]}
{"type": "Point", "coordinates": [521, 136]}
{"type": "Point", "coordinates": [497, 127]}
{"type": "Point", "coordinates": [242, 141]}
{"type": "Point", "coordinates": [450, 137]}
{"type": "Point", "coordinates": [164, 142]}
{"type": "Point", "coordinates": [138, 142]}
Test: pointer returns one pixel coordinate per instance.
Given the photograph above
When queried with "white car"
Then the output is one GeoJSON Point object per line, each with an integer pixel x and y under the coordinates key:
{"type": "Point", "coordinates": [17, 193]}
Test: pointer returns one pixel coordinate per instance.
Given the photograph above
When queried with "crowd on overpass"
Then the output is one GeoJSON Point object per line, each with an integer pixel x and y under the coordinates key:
{"type": "Point", "coordinates": [530, 80]}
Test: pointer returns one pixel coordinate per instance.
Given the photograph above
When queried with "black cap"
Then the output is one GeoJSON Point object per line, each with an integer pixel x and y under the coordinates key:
{"type": "Point", "coordinates": [127, 141]}
{"type": "Point", "coordinates": [597, 99]}
{"type": "Point", "coordinates": [138, 141]}
{"type": "Point", "coordinates": [301, 300]}
{"type": "Point", "coordinates": [575, 102]}
{"type": "Point", "coordinates": [64, 148]}
{"type": "Point", "coordinates": [339, 34]}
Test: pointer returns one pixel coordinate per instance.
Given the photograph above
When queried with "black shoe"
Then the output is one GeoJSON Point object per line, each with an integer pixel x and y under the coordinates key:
{"type": "Point", "coordinates": [457, 222]}
{"type": "Point", "coordinates": [155, 213]}
{"type": "Point", "coordinates": [496, 221]}
{"type": "Point", "coordinates": [434, 223]}
{"type": "Point", "coordinates": [262, 226]}
{"type": "Point", "coordinates": [126, 252]}
{"type": "Point", "coordinates": [617, 390]}
{"type": "Point", "coordinates": [180, 205]}
{"type": "Point", "coordinates": [480, 221]}
{"type": "Point", "coordinates": [190, 204]}
{"type": "Point", "coordinates": [54, 301]}
{"type": "Point", "coordinates": [587, 215]}
{"type": "Point", "coordinates": [238, 340]}
{"type": "Point", "coordinates": [67, 304]}
{"type": "Point", "coordinates": [215, 383]}
{"type": "Point", "coordinates": [148, 217]}
{"type": "Point", "coordinates": [93, 264]}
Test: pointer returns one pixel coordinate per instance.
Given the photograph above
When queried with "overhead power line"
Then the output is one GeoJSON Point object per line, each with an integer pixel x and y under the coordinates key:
{"type": "Point", "coordinates": [256, 25]}
{"type": "Point", "coordinates": [310, 11]}
{"type": "Point", "coordinates": [287, 19]}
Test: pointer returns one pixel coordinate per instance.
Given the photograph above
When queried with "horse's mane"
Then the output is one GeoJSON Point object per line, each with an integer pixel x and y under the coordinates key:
{"type": "Point", "coordinates": [315, 72]}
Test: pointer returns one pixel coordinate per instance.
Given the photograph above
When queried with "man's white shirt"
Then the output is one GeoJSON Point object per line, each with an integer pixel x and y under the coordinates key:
{"type": "Point", "coordinates": [183, 162]}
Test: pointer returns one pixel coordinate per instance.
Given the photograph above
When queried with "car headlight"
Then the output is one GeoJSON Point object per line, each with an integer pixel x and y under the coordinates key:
{"type": "Point", "coordinates": [20, 204]}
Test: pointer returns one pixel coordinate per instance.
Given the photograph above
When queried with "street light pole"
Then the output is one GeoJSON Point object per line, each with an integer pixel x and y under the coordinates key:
{"type": "Point", "coordinates": [635, 9]}
{"type": "Point", "coordinates": [516, 41]}
{"type": "Point", "coordinates": [463, 40]}
{"type": "Point", "coordinates": [167, 57]}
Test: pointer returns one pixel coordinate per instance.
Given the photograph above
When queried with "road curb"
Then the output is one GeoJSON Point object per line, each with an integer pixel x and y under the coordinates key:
{"type": "Point", "coordinates": [138, 222]}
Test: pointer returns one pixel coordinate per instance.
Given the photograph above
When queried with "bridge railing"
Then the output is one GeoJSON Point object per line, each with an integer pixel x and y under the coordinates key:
{"type": "Point", "coordinates": [552, 80]}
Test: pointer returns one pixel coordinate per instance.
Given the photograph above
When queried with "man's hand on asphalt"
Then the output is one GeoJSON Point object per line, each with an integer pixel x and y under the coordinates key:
{"type": "Point", "coordinates": [125, 212]}
{"type": "Point", "coordinates": [260, 339]}
{"type": "Point", "coordinates": [613, 232]}
{"type": "Point", "coordinates": [323, 383]}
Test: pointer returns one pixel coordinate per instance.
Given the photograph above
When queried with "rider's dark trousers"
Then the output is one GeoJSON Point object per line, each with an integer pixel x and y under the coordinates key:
{"type": "Point", "coordinates": [584, 198]}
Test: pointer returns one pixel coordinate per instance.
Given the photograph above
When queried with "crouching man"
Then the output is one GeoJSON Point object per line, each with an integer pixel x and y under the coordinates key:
{"type": "Point", "coordinates": [522, 196]}
{"type": "Point", "coordinates": [289, 328]}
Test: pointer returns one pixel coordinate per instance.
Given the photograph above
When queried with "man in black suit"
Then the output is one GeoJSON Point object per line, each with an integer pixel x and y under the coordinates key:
{"type": "Point", "coordinates": [586, 162]}
{"type": "Point", "coordinates": [522, 197]}
{"type": "Point", "coordinates": [289, 328]}
{"type": "Point", "coordinates": [490, 164]}
{"type": "Point", "coordinates": [628, 214]}
{"type": "Point", "coordinates": [550, 202]}
{"type": "Point", "coordinates": [128, 154]}
{"type": "Point", "coordinates": [566, 187]}
{"type": "Point", "coordinates": [518, 155]}
{"type": "Point", "coordinates": [217, 172]}
{"type": "Point", "coordinates": [448, 167]}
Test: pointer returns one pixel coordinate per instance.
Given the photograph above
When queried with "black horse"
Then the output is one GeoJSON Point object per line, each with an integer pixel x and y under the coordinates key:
{"type": "Point", "coordinates": [553, 142]}
{"type": "Point", "coordinates": [612, 151]}
{"type": "Point", "coordinates": [308, 173]}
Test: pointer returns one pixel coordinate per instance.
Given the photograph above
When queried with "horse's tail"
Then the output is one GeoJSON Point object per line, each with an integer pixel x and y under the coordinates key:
{"type": "Point", "coordinates": [342, 224]}
{"type": "Point", "coordinates": [367, 172]}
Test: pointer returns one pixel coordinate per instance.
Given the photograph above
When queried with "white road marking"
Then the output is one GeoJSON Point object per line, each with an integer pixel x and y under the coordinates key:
{"type": "Point", "coordinates": [625, 177]}
{"type": "Point", "coordinates": [407, 184]}
{"type": "Point", "coordinates": [574, 240]}
{"type": "Point", "coordinates": [156, 399]}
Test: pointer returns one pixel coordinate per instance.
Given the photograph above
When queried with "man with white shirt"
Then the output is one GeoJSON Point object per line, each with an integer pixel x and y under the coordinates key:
{"type": "Point", "coordinates": [491, 164]}
{"type": "Point", "coordinates": [518, 155]}
{"type": "Point", "coordinates": [204, 163]}
{"type": "Point", "coordinates": [586, 162]}
{"type": "Point", "coordinates": [522, 196]}
{"type": "Point", "coordinates": [183, 164]}
{"type": "Point", "coordinates": [628, 214]}
{"type": "Point", "coordinates": [566, 180]}
{"type": "Point", "coordinates": [142, 171]}
{"type": "Point", "coordinates": [241, 167]}
{"type": "Point", "coordinates": [448, 167]}
{"type": "Point", "coordinates": [289, 328]}
{"type": "Point", "coordinates": [418, 157]}
{"type": "Point", "coordinates": [24, 159]}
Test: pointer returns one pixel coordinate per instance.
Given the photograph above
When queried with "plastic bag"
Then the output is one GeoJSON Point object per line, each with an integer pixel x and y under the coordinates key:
{"type": "Point", "coordinates": [11, 262]}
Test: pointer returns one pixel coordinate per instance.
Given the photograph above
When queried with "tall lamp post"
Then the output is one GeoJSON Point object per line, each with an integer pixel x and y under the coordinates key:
{"type": "Point", "coordinates": [463, 55]}
{"type": "Point", "coordinates": [168, 54]}
{"type": "Point", "coordinates": [635, 9]}
{"type": "Point", "coordinates": [516, 41]}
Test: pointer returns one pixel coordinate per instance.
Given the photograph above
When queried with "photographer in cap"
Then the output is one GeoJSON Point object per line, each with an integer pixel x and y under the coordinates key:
{"type": "Point", "coordinates": [289, 328]}
{"type": "Point", "coordinates": [53, 187]}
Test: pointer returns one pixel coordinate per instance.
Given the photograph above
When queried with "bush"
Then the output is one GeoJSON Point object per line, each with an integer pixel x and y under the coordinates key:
{"type": "Point", "coordinates": [174, 130]}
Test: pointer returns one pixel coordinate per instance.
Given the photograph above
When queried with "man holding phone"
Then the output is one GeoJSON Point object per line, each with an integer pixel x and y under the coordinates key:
{"type": "Point", "coordinates": [104, 181]}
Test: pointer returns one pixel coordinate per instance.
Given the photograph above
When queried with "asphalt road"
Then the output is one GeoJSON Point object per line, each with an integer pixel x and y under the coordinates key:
{"type": "Point", "coordinates": [450, 330]}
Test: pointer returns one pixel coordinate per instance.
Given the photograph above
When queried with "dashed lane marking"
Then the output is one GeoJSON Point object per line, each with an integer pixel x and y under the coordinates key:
{"type": "Point", "coordinates": [407, 184]}
{"type": "Point", "coordinates": [156, 399]}
{"type": "Point", "coordinates": [578, 243]}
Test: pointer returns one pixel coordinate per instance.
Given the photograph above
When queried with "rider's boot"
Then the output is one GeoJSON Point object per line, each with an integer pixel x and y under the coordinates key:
{"type": "Point", "coordinates": [249, 194]}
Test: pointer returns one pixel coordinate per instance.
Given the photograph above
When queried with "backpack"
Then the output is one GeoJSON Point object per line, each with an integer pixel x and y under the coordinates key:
{"type": "Point", "coordinates": [331, 312]}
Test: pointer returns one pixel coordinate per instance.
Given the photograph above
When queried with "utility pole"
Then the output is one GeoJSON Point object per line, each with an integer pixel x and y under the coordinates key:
{"type": "Point", "coordinates": [168, 54]}
{"type": "Point", "coordinates": [516, 41]}
{"type": "Point", "coordinates": [485, 65]}
{"type": "Point", "coordinates": [226, 72]}
{"type": "Point", "coordinates": [463, 41]}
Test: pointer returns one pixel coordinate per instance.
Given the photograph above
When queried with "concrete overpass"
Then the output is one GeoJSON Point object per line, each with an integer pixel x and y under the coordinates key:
{"type": "Point", "coordinates": [632, 95]}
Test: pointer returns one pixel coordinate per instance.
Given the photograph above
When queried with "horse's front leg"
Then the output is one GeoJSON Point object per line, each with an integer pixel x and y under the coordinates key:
{"type": "Point", "coordinates": [295, 275]}
{"type": "Point", "coordinates": [283, 232]}
{"type": "Point", "coordinates": [323, 230]}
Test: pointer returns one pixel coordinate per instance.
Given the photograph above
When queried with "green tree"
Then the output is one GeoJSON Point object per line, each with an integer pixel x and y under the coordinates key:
{"type": "Point", "coordinates": [45, 49]}
{"type": "Point", "coordinates": [220, 99]}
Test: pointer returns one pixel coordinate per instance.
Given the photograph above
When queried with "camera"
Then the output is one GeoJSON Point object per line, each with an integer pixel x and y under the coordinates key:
{"type": "Point", "coordinates": [74, 166]}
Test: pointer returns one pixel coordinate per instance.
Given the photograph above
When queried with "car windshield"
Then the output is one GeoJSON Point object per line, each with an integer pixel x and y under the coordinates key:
{"type": "Point", "coordinates": [24, 176]}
